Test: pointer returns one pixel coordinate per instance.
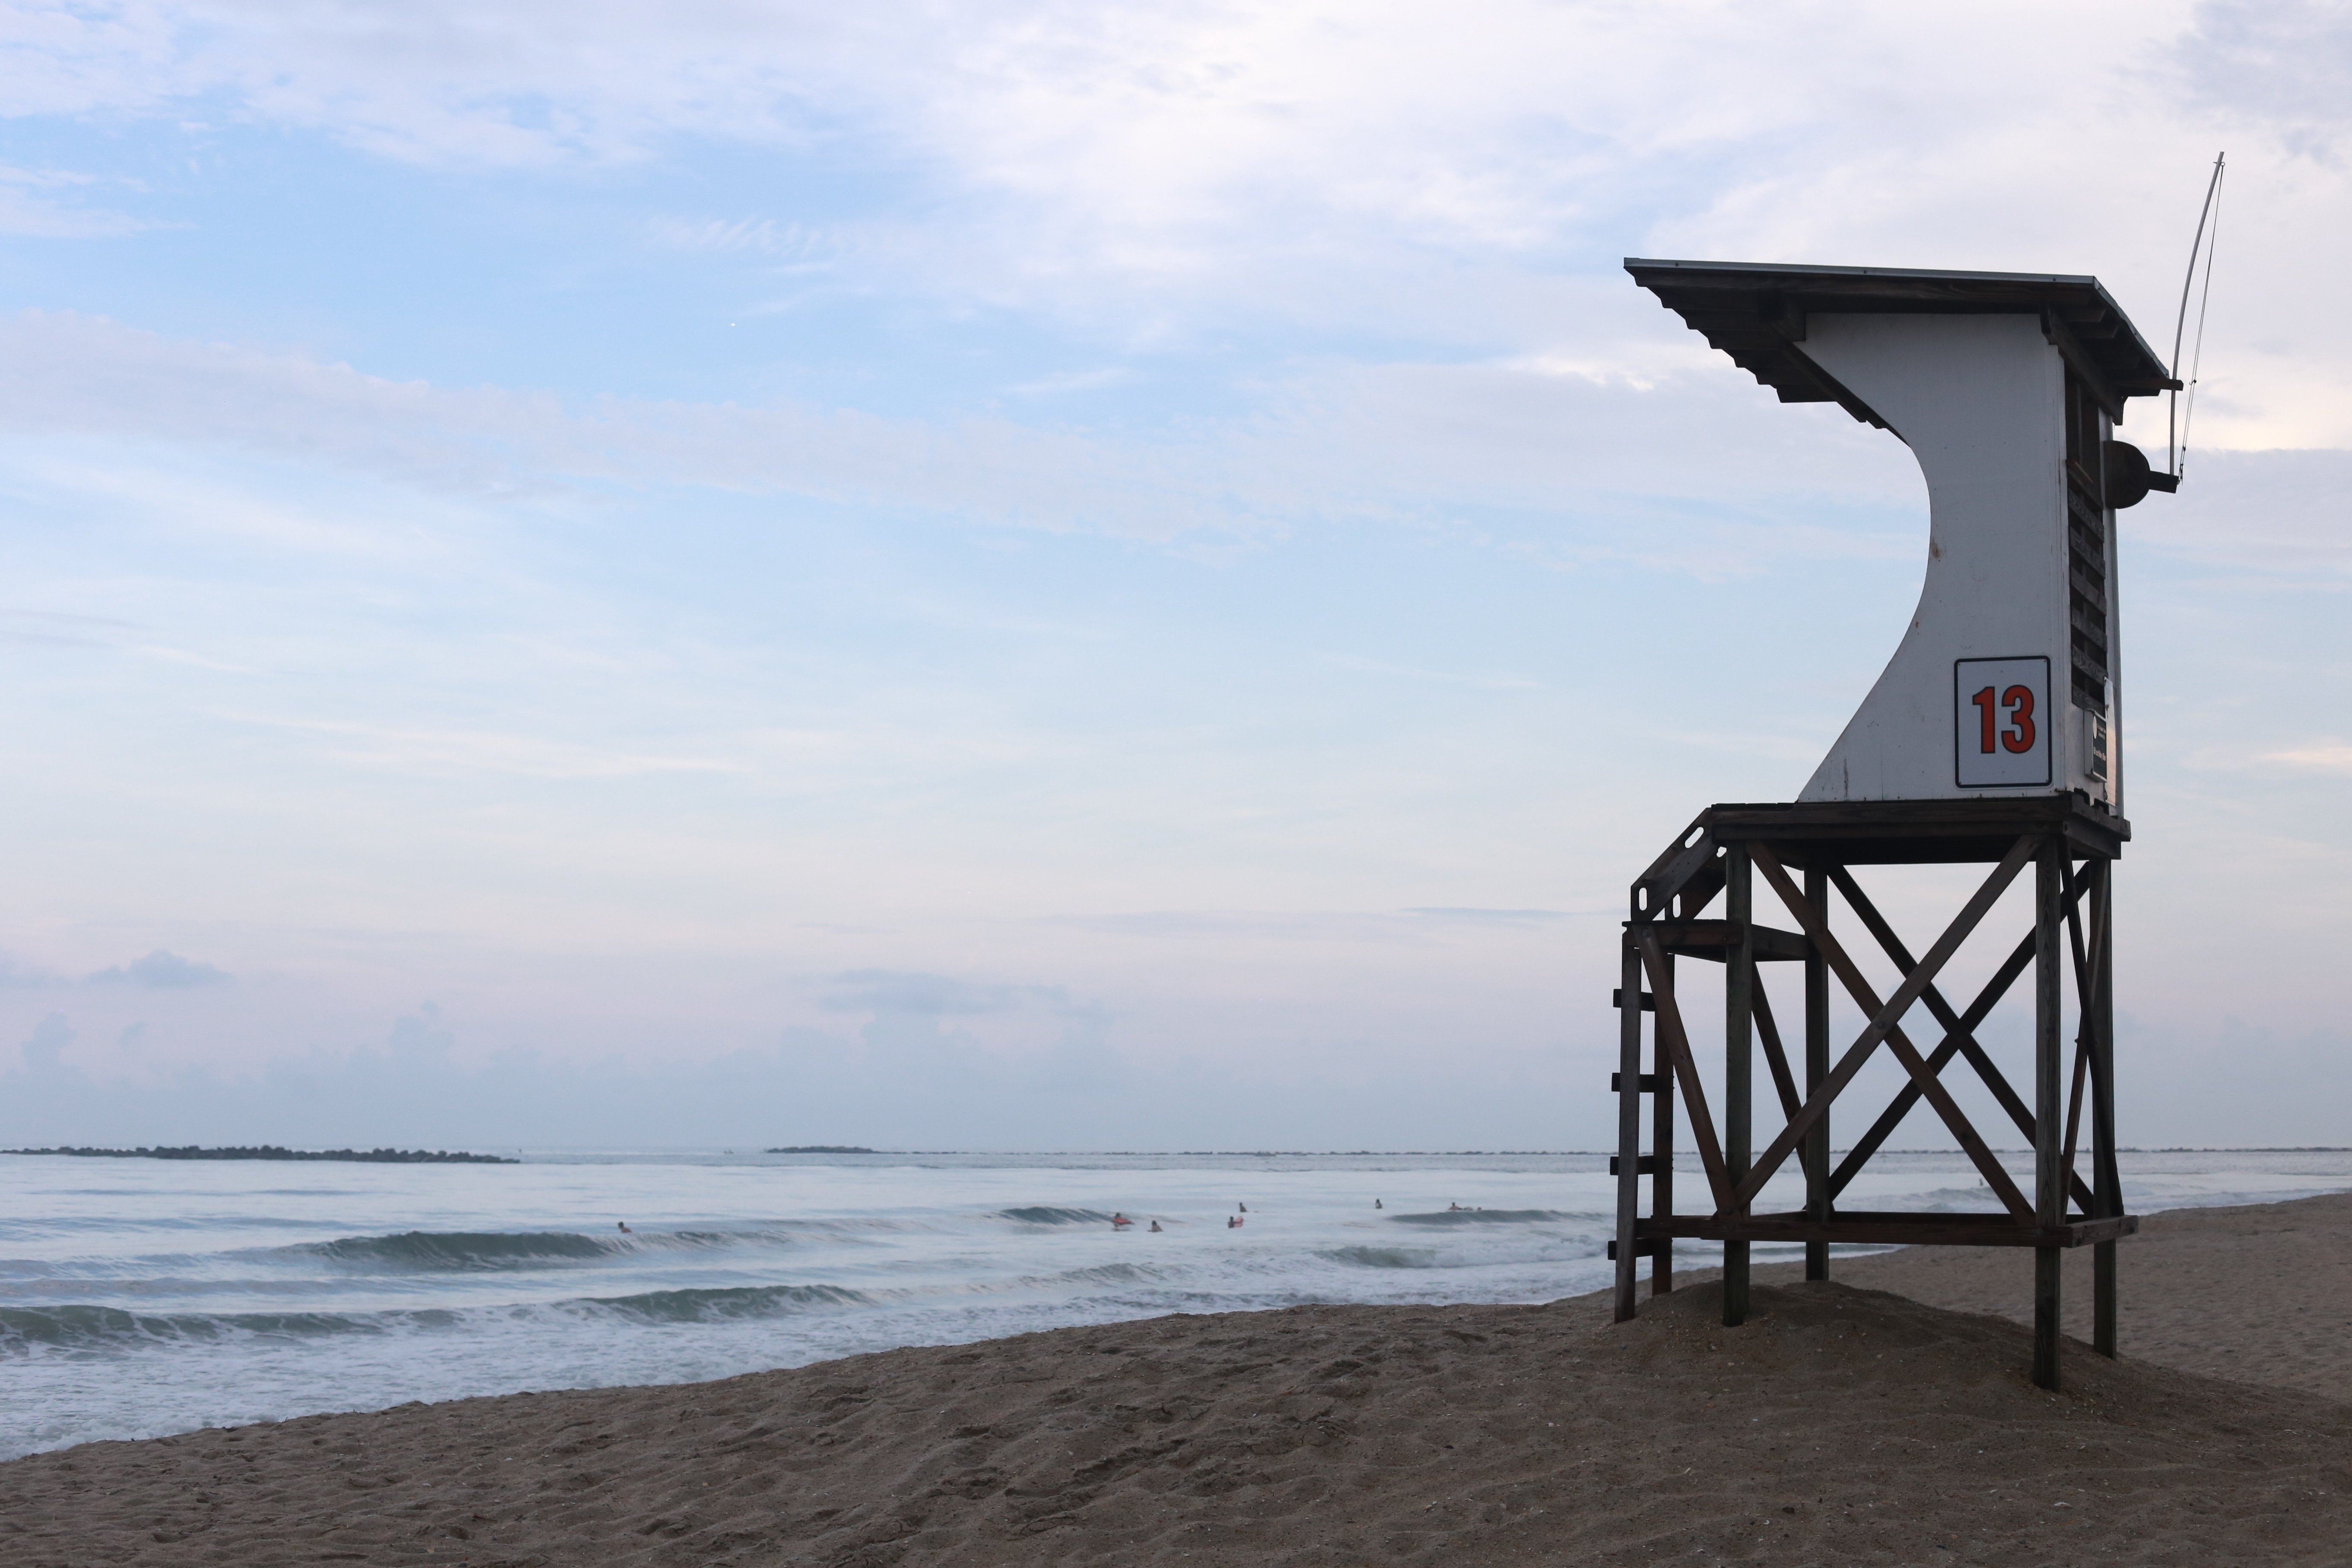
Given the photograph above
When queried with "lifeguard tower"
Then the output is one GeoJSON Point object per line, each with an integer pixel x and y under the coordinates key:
{"type": "Point", "coordinates": [1993, 737]}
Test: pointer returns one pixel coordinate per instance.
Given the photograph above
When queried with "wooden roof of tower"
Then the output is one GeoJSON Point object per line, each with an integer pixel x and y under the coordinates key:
{"type": "Point", "coordinates": [1755, 312]}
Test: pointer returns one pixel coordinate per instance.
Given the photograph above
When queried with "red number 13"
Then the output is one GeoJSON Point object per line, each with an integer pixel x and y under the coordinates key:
{"type": "Point", "coordinates": [2018, 735]}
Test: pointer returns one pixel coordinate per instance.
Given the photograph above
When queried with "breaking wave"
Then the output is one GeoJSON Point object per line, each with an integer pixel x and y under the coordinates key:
{"type": "Point", "coordinates": [27, 1330]}
{"type": "Point", "coordinates": [1480, 1216]}
{"type": "Point", "coordinates": [1043, 1214]}
{"type": "Point", "coordinates": [1383, 1257]}
{"type": "Point", "coordinates": [441, 1250]}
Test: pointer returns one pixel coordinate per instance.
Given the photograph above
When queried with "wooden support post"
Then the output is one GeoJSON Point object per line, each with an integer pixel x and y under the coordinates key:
{"type": "Point", "coordinates": [1628, 1124]}
{"type": "Point", "coordinates": [1738, 1061]}
{"type": "Point", "coordinates": [1817, 1068]}
{"type": "Point", "coordinates": [2106, 1177]}
{"type": "Point", "coordinates": [2049, 1110]}
{"type": "Point", "coordinates": [1662, 1143]}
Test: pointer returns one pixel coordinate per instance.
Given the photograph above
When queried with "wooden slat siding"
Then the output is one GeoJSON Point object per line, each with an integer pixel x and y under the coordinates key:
{"type": "Point", "coordinates": [2109, 1199]}
{"type": "Point", "coordinates": [1629, 1127]}
{"type": "Point", "coordinates": [1662, 1139]}
{"type": "Point", "coordinates": [2049, 1194]}
{"type": "Point", "coordinates": [1959, 1038]}
{"type": "Point", "coordinates": [1882, 1025]}
{"type": "Point", "coordinates": [1863, 1228]}
{"type": "Point", "coordinates": [1670, 1029]}
{"type": "Point", "coordinates": [1738, 1061]}
{"type": "Point", "coordinates": [1817, 1068]}
{"type": "Point", "coordinates": [1767, 1033]}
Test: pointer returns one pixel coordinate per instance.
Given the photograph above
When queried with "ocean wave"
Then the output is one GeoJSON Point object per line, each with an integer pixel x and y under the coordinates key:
{"type": "Point", "coordinates": [722, 1304]}
{"type": "Point", "coordinates": [24, 1330]}
{"type": "Point", "coordinates": [439, 1251]}
{"type": "Point", "coordinates": [79, 1327]}
{"type": "Point", "coordinates": [1383, 1257]}
{"type": "Point", "coordinates": [1044, 1214]}
{"type": "Point", "coordinates": [1480, 1216]}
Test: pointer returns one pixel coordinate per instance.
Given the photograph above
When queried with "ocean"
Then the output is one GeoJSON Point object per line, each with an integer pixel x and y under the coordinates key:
{"type": "Point", "coordinates": [143, 1297]}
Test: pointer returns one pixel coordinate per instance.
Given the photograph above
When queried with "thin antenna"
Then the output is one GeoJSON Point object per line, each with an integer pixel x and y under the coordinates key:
{"type": "Point", "coordinates": [2176, 434]}
{"type": "Point", "coordinates": [2197, 356]}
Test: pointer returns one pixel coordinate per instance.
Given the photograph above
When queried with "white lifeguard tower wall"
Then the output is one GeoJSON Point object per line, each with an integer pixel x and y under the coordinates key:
{"type": "Point", "coordinates": [2005, 385]}
{"type": "Point", "coordinates": [1981, 401]}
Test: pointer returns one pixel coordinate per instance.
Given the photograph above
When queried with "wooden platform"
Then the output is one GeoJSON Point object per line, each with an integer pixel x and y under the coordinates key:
{"type": "Point", "coordinates": [2069, 844]}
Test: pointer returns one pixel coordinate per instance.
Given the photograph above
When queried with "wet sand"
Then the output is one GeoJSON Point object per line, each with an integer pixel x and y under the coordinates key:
{"type": "Point", "coordinates": [1842, 1425]}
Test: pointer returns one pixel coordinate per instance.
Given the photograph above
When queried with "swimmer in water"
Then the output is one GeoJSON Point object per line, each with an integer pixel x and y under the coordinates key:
{"type": "Point", "coordinates": [1155, 1227]}
{"type": "Point", "coordinates": [625, 1227]}
{"type": "Point", "coordinates": [1376, 1203]}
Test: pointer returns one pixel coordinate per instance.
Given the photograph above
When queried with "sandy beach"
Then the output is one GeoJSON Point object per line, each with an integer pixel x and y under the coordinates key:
{"type": "Point", "coordinates": [1846, 1424]}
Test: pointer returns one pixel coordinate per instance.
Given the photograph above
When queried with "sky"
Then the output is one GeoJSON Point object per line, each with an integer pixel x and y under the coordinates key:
{"type": "Point", "coordinates": [1058, 576]}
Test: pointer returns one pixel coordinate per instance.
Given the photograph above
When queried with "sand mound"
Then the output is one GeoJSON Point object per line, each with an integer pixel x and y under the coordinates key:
{"type": "Point", "coordinates": [1840, 1426]}
{"type": "Point", "coordinates": [2262, 1292]}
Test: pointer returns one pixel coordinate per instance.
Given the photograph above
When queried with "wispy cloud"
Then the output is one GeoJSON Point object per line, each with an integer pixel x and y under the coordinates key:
{"type": "Point", "coordinates": [162, 970]}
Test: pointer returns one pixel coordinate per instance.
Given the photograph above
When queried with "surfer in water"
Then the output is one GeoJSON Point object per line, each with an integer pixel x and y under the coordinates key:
{"type": "Point", "coordinates": [625, 1227]}
{"type": "Point", "coordinates": [1119, 1222]}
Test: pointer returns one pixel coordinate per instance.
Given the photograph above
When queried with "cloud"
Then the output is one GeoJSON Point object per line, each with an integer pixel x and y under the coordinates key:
{"type": "Point", "coordinates": [162, 970]}
{"type": "Point", "coordinates": [30, 208]}
{"type": "Point", "coordinates": [18, 977]}
{"type": "Point", "coordinates": [938, 995]}
{"type": "Point", "coordinates": [2335, 759]}
{"type": "Point", "coordinates": [47, 1042]}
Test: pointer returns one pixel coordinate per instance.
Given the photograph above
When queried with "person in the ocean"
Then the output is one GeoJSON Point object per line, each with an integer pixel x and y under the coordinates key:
{"type": "Point", "coordinates": [625, 1227]}
{"type": "Point", "coordinates": [1119, 1222]}
{"type": "Point", "coordinates": [1376, 1203]}
{"type": "Point", "coordinates": [1155, 1227]}
{"type": "Point", "coordinates": [1244, 1207]}
{"type": "Point", "coordinates": [1232, 1222]}
{"type": "Point", "coordinates": [1452, 1208]}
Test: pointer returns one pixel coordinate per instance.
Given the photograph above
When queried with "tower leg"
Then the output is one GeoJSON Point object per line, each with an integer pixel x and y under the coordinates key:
{"type": "Point", "coordinates": [1628, 1125]}
{"type": "Point", "coordinates": [1738, 1059]}
{"type": "Point", "coordinates": [1817, 1068]}
{"type": "Point", "coordinates": [1661, 1150]}
{"type": "Point", "coordinates": [2049, 1110]}
{"type": "Point", "coordinates": [2106, 1179]}
{"type": "Point", "coordinates": [2045, 1316]}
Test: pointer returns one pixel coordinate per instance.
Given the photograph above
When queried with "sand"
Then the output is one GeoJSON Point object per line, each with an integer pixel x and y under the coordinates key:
{"type": "Point", "coordinates": [1841, 1426]}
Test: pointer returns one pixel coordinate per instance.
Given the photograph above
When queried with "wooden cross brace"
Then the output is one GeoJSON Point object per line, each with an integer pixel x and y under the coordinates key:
{"type": "Point", "coordinates": [1924, 1073]}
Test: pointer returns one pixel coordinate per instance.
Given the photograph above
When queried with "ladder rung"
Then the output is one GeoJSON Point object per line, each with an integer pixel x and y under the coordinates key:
{"type": "Point", "coordinates": [1643, 1164]}
{"type": "Point", "coordinates": [1617, 999]}
{"type": "Point", "coordinates": [1648, 1247]}
{"type": "Point", "coordinates": [1645, 1083]}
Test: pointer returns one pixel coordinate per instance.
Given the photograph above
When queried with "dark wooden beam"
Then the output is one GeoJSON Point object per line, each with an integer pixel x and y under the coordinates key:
{"type": "Point", "coordinates": [1628, 1082]}
{"type": "Point", "coordinates": [1960, 1037]}
{"type": "Point", "coordinates": [1817, 1067]}
{"type": "Point", "coordinates": [1784, 1083]}
{"type": "Point", "coordinates": [1670, 1030]}
{"type": "Point", "coordinates": [1884, 1228]}
{"type": "Point", "coordinates": [1884, 1019]}
{"type": "Point", "coordinates": [1711, 939]}
{"type": "Point", "coordinates": [2049, 1192]}
{"type": "Point", "coordinates": [1738, 1060]}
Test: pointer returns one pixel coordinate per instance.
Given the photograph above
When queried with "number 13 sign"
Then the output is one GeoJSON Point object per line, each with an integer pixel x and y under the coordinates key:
{"type": "Point", "coordinates": [2001, 721]}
